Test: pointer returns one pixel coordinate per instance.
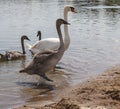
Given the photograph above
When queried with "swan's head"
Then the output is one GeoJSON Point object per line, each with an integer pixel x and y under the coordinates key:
{"type": "Point", "coordinates": [61, 21]}
{"type": "Point", "coordinates": [70, 8]}
{"type": "Point", "coordinates": [39, 34]}
{"type": "Point", "coordinates": [24, 37]}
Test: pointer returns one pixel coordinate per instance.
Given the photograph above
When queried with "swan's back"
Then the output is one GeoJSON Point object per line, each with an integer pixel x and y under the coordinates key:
{"type": "Point", "coordinates": [45, 45]}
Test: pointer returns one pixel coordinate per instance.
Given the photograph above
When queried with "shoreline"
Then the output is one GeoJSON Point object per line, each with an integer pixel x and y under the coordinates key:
{"type": "Point", "coordinates": [101, 92]}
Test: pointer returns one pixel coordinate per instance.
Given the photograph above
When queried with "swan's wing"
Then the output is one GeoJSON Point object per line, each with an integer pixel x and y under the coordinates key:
{"type": "Point", "coordinates": [13, 55]}
{"type": "Point", "coordinates": [45, 44]}
{"type": "Point", "coordinates": [41, 57]}
{"type": "Point", "coordinates": [14, 52]}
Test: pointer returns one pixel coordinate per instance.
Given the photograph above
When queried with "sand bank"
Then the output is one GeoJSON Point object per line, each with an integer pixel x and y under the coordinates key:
{"type": "Point", "coordinates": [102, 92]}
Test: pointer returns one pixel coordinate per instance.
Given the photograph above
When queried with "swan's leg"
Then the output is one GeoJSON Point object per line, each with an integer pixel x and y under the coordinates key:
{"type": "Point", "coordinates": [45, 77]}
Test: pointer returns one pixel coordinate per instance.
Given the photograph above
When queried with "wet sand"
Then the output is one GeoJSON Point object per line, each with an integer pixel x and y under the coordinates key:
{"type": "Point", "coordinates": [101, 92]}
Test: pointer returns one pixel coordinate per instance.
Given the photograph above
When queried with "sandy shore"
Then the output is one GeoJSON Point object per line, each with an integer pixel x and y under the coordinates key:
{"type": "Point", "coordinates": [102, 92]}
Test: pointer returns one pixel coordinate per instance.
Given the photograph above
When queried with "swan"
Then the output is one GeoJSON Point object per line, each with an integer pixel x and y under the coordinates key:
{"type": "Point", "coordinates": [4, 57]}
{"type": "Point", "coordinates": [13, 55]}
{"type": "Point", "coordinates": [45, 61]}
{"type": "Point", "coordinates": [53, 43]}
{"type": "Point", "coordinates": [39, 35]}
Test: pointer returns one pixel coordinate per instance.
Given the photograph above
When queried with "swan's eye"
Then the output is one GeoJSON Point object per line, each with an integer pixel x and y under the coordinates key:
{"type": "Point", "coordinates": [73, 9]}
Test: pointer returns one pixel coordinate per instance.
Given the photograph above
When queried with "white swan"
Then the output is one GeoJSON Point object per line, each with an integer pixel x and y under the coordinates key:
{"type": "Point", "coordinates": [53, 43]}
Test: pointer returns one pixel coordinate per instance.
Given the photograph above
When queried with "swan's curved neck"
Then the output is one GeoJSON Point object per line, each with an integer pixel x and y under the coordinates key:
{"type": "Point", "coordinates": [39, 35]}
{"type": "Point", "coordinates": [66, 37]}
{"type": "Point", "coordinates": [60, 37]}
{"type": "Point", "coordinates": [23, 47]}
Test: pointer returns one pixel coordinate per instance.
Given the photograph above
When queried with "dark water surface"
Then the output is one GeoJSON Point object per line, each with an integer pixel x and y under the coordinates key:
{"type": "Point", "coordinates": [95, 45]}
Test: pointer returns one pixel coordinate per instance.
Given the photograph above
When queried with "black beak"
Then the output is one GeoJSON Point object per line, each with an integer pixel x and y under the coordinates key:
{"type": "Point", "coordinates": [68, 24]}
{"type": "Point", "coordinates": [28, 39]}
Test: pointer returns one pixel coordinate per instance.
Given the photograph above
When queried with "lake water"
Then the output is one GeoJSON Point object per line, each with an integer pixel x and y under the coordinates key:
{"type": "Point", "coordinates": [94, 47]}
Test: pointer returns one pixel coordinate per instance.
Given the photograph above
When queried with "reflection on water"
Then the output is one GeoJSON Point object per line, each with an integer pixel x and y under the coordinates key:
{"type": "Point", "coordinates": [95, 46]}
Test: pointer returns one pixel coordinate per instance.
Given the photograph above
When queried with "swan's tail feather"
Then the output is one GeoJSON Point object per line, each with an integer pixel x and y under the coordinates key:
{"type": "Point", "coordinates": [21, 71]}
{"type": "Point", "coordinates": [29, 46]}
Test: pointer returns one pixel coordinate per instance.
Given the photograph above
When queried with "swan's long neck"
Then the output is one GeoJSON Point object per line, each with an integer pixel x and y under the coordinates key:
{"type": "Point", "coordinates": [23, 47]}
{"type": "Point", "coordinates": [66, 37]}
{"type": "Point", "coordinates": [61, 48]}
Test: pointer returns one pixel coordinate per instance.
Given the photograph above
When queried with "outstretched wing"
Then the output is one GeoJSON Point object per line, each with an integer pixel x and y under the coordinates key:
{"type": "Point", "coordinates": [41, 57]}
